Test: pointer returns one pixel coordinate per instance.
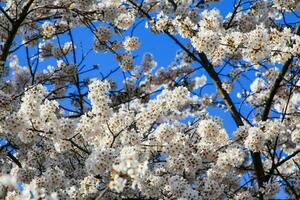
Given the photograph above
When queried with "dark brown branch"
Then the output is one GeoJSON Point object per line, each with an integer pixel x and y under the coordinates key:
{"type": "Point", "coordinates": [14, 159]}
{"type": "Point", "coordinates": [276, 85]}
{"type": "Point", "coordinates": [287, 158]}
{"type": "Point", "coordinates": [79, 147]}
{"type": "Point", "coordinates": [289, 185]}
{"type": "Point", "coordinates": [6, 15]}
{"type": "Point", "coordinates": [218, 83]}
{"type": "Point", "coordinates": [12, 34]}
{"type": "Point", "coordinates": [274, 89]}
{"type": "Point", "coordinates": [235, 11]}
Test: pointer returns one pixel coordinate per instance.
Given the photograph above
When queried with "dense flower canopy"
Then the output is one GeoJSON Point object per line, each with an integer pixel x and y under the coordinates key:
{"type": "Point", "coordinates": [71, 132]}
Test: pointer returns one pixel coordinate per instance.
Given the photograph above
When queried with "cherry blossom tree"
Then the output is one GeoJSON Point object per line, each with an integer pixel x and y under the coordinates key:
{"type": "Point", "coordinates": [72, 132]}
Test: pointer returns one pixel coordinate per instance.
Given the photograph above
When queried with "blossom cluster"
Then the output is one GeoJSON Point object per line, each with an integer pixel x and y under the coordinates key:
{"type": "Point", "coordinates": [69, 134]}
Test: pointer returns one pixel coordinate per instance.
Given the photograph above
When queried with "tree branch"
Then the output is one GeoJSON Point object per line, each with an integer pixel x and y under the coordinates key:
{"type": "Point", "coordinates": [12, 34]}
{"type": "Point", "coordinates": [6, 15]}
{"type": "Point", "coordinates": [276, 85]}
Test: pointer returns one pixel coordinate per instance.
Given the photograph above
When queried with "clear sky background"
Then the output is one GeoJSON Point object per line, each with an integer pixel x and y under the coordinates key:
{"type": "Point", "coordinates": [163, 49]}
{"type": "Point", "coordinates": [160, 45]}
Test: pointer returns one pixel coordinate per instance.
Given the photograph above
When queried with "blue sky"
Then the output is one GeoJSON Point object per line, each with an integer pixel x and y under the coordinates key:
{"type": "Point", "coordinates": [160, 45]}
{"type": "Point", "coordinates": [163, 49]}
